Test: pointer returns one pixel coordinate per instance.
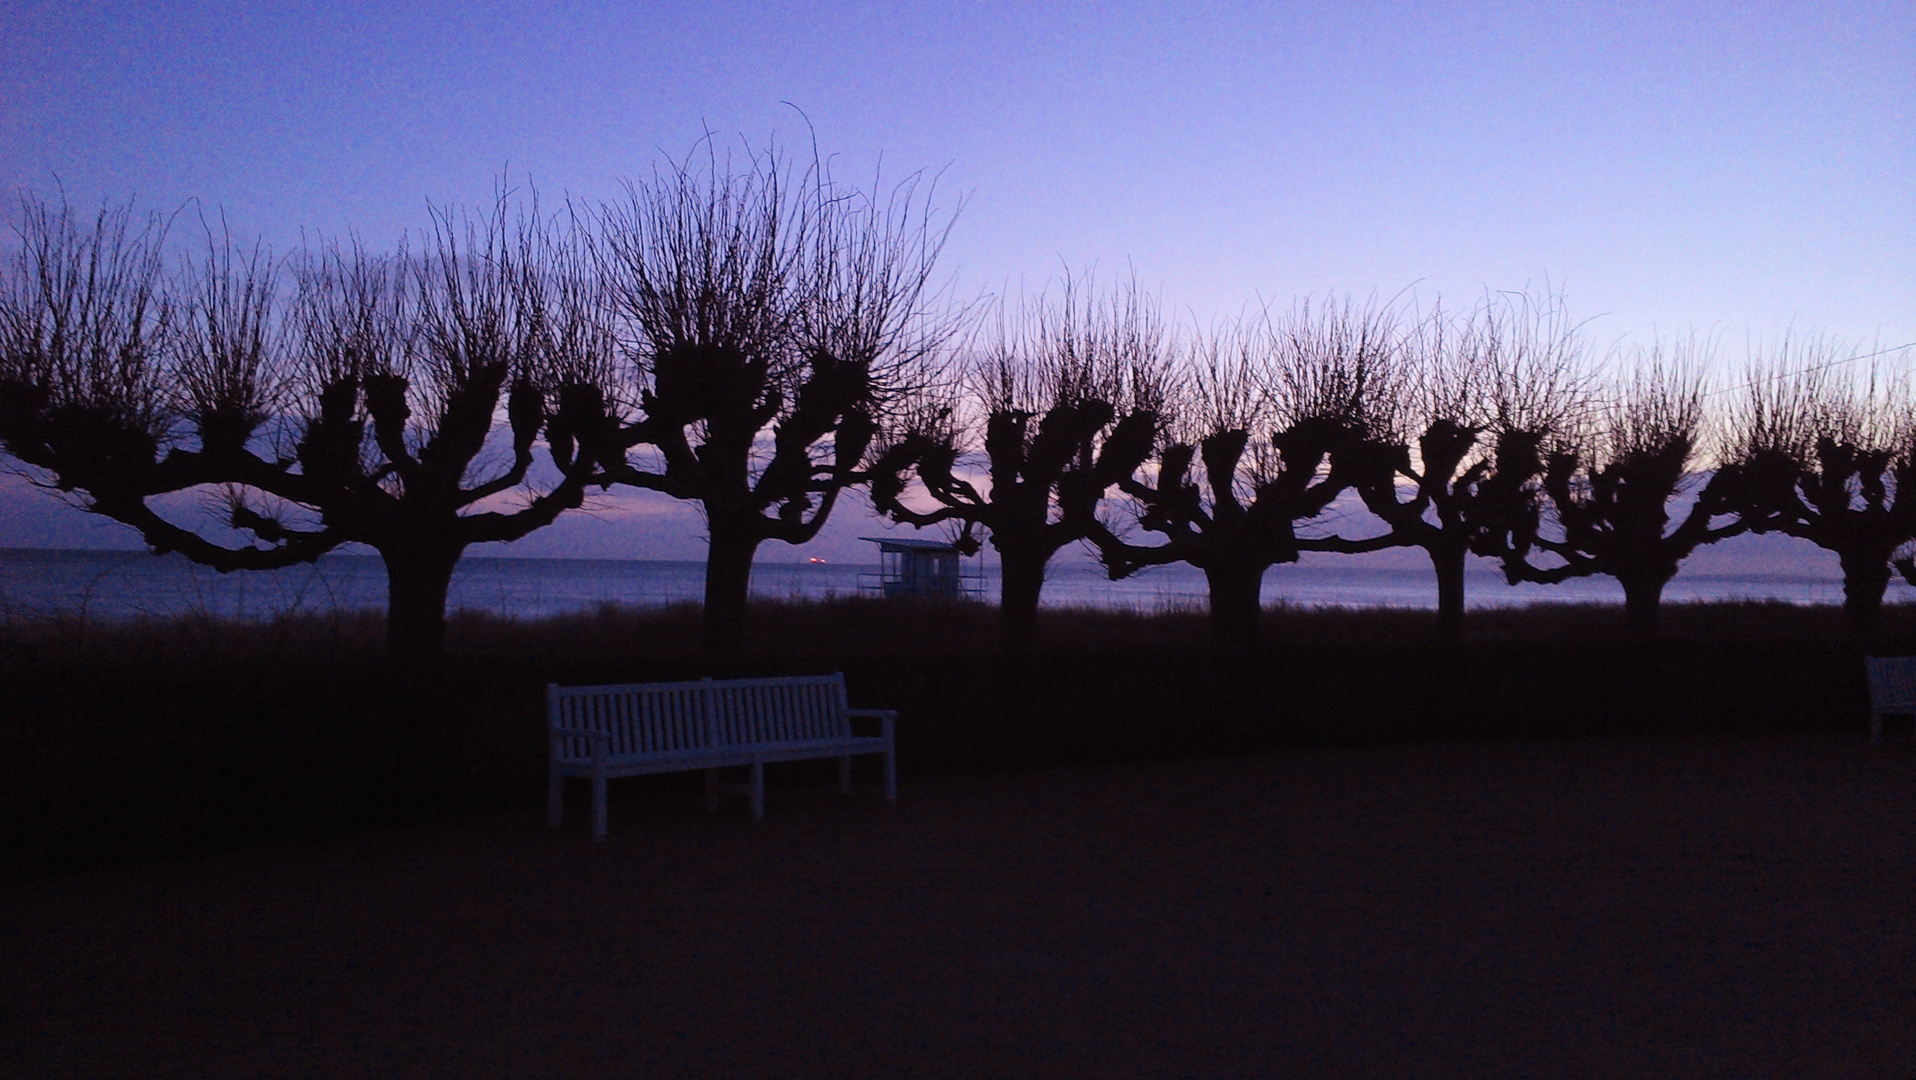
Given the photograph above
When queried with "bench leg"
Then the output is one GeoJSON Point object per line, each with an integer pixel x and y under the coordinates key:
{"type": "Point", "coordinates": [758, 791]}
{"type": "Point", "coordinates": [891, 775]}
{"type": "Point", "coordinates": [711, 791]}
{"type": "Point", "coordinates": [598, 807]}
{"type": "Point", "coordinates": [555, 797]}
{"type": "Point", "coordinates": [845, 775]}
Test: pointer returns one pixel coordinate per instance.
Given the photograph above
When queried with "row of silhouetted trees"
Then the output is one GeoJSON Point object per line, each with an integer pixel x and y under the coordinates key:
{"type": "Point", "coordinates": [732, 337]}
{"type": "Point", "coordinates": [1350, 428]}
{"type": "Point", "coordinates": [760, 340]}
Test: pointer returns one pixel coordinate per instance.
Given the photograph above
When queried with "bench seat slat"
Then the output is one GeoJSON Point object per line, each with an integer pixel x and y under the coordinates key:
{"type": "Point", "coordinates": [685, 760]}
{"type": "Point", "coordinates": [700, 755]}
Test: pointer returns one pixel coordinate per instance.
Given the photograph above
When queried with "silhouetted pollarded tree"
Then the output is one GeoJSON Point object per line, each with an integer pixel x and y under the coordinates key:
{"type": "Point", "coordinates": [358, 413]}
{"type": "Point", "coordinates": [1827, 453]}
{"type": "Point", "coordinates": [1063, 407]}
{"type": "Point", "coordinates": [775, 321]}
{"type": "Point", "coordinates": [1260, 435]}
{"type": "Point", "coordinates": [1448, 467]}
{"type": "Point", "coordinates": [1612, 490]}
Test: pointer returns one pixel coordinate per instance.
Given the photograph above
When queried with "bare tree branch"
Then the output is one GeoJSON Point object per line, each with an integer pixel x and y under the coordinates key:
{"type": "Point", "coordinates": [774, 320]}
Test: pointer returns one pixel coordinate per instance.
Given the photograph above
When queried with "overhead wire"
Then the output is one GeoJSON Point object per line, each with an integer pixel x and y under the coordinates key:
{"type": "Point", "coordinates": [1779, 376]}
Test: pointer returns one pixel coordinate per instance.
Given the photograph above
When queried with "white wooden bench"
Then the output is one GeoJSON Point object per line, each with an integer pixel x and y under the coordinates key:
{"type": "Point", "coordinates": [603, 732]}
{"type": "Point", "coordinates": [1892, 690]}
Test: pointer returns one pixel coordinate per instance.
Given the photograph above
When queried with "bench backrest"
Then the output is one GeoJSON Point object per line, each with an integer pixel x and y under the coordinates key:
{"type": "Point", "coordinates": [747, 712]}
{"type": "Point", "coordinates": [657, 718]}
{"type": "Point", "coordinates": [1892, 682]}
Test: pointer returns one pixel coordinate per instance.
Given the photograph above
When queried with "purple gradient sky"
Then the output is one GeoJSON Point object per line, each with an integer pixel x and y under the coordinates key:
{"type": "Point", "coordinates": [1730, 168]}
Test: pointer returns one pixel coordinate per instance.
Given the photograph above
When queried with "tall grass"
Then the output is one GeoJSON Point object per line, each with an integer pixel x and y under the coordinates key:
{"type": "Point", "coordinates": [175, 737]}
{"type": "Point", "coordinates": [846, 626]}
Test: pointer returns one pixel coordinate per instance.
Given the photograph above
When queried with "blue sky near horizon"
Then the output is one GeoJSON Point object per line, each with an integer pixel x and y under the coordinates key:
{"type": "Point", "coordinates": [1734, 169]}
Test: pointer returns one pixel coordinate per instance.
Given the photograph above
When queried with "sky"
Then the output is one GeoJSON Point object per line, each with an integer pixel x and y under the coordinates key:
{"type": "Point", "coordinates": [1738, 170]}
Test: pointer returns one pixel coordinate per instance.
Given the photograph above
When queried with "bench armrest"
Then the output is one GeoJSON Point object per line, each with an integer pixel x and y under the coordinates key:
{"type": "Point", "coordinates": [885, 717]}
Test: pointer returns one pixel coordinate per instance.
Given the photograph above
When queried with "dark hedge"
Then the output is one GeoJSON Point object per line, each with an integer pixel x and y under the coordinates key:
{"type": "Point", "coordinates": [178, 738]}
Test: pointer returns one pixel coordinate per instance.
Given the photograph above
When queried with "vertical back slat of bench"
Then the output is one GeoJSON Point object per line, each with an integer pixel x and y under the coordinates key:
{"type": "Point", "coordinates": [631, 738]}
{"type": "Point", "coordinates": [797, 713]}
{"type": "Point", "coordinates": [609, 719]}
{"type": "Point", "coordinates": [793, 699]}
{"type": "Point", "coordinates": [692, 724]}
{"type": "Point", "coordinates": [778, 720]}
{"type": "Point", "coordinates": [742, 714]}
{"type": "Point", "coordinates": [729, 716]}
{"type": "Point", "coordinates": [758, 717]}
{"type": "Point", "coordinates": [608, 705]}
{"type": "Point", "coordinates": [658, 720]}
{"type": "Point", "coordinates": [756, 726]}
{"type": "Point", "coordinates": [1892, 681]}
{"type": "Point", "coordinates": [817, 716]}
{"type": "Point", "coordinates": [715, 717]}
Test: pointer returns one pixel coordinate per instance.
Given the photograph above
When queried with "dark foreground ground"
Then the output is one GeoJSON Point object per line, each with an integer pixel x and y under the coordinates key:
{"type": "Point", "coordinates": [1736, 906]}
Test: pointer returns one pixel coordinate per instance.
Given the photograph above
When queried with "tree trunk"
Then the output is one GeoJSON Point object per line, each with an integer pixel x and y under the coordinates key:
{"type": "Point", "coordinates": [1022, 574]}
{"type": "Point", "coordinates": [1642, 600]}
{"type": "Point", "coordinates": [1236, 604]}
{"type": "Point", "coordinates": [416, 584]}
{"type": "Point", "coordinates": [1865, 576]}
{"type": "Point", "coordinates": [1449, 566]}
{"type": "Point", "coordinates": [728, 585]}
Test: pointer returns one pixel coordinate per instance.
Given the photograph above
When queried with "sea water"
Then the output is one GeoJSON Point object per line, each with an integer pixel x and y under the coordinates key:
{"type": "Point", "coordinates": [121, 585]}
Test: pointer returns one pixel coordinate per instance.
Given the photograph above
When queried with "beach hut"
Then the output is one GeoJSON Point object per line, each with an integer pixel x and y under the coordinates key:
{"type": "Point", "coordinates": [920, 568]}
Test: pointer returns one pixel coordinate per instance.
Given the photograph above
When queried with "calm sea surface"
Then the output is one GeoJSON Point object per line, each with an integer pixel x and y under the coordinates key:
{"type": "Point", "coordinates": [122, 585]}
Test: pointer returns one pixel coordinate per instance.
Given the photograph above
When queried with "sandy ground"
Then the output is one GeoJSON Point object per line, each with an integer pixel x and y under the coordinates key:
{"type": "Point", "coordinates": [1735, 907]}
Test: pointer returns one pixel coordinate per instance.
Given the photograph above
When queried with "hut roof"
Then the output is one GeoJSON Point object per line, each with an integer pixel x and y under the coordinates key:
{"type": "Point", "coordinates": [886, 543]}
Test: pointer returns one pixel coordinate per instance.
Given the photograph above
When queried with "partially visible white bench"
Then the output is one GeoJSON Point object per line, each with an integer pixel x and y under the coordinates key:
{"type": "Point", "coordinates": [1892, 690]}
{"type": "Point", "coordinates": [603, 732]}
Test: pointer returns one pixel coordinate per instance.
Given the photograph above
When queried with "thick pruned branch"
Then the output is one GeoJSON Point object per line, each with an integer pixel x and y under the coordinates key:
{"type": "Point", "coordinates": [1263, 437]}
{"type": "Point", "coordinates": [370, 402]}
{"type": "Point", "coordinates": [1611, 488]}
